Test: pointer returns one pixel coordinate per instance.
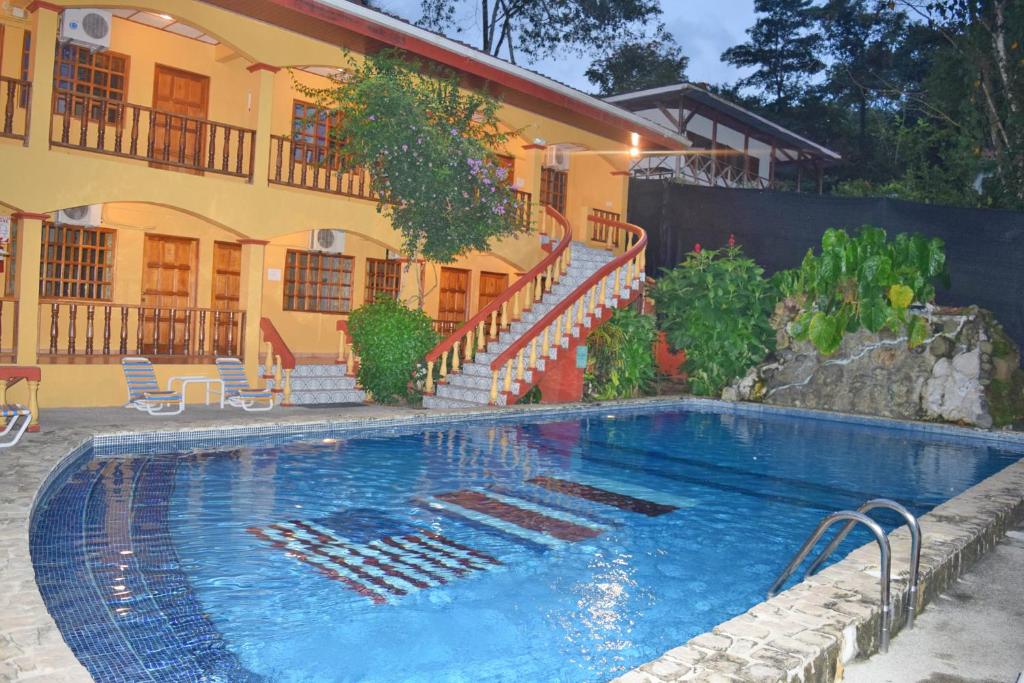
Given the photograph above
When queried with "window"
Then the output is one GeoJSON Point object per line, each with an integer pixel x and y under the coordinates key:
{"type": "Point", "coordinates": [553, 186]}
{"type": "Point", "coordinates": [383, 277]}
{"type": "Point", "coordinates": [312, 133]}
{"type": "Point", "coordinates": [87, 75]}
{"type": "Point", "coordinates": [77, 262]}
{"type": "Point", "coordinates": [318, 282]}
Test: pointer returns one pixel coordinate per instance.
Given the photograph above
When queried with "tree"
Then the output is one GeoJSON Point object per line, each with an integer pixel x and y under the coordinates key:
{"type": "Point", "coordinates": [535, 29]}
{"type": "Point", "coordinates": [783, 49]}
{"type": "Point", "coordinates": [639, 65]}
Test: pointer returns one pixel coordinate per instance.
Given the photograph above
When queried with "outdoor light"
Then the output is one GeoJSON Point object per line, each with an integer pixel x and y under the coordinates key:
{"type": "Point", "coordinates": [634, 152]}
{"type": "Point", "coordinates": [634, 139]}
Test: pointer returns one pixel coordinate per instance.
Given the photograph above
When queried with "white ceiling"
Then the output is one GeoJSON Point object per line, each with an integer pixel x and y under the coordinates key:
{"type": "Point", "coordinates": [164, 22]}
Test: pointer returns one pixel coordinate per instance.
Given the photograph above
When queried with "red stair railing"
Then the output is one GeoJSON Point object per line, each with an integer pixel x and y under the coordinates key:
{"type": "Point", "coordinates": [573, 309]}
{"type": "Point", "coordinates": [279, 361]}
{"type": "Point", "coordinates": [462, 345]}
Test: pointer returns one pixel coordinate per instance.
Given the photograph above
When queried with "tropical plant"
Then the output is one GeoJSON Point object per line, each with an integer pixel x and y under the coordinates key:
{"type": "Point", "coordinates": [391, 341]}
{"type": "Point", "coordinates": [621, 356]}
{"type": "Point", "coordinates": [717, 306]}
{"type": "Point", "coordinates": [863, 281]}
{"type": "Point", "coordinates": [429, 147]}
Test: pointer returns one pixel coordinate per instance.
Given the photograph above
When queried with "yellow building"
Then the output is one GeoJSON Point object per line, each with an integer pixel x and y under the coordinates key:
{"type": "Point", "coordinates": [161, 191]}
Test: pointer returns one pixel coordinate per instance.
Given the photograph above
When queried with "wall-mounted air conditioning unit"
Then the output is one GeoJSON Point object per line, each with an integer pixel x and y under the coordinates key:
{"type": "Point", "coordinates": [556, 157]}
{"type": "Point", "coordinates": [89, 216]}
{"type": "Point", "coordinates": [330, 241]}
{"type": "Point", "coordinates": [88, 28]}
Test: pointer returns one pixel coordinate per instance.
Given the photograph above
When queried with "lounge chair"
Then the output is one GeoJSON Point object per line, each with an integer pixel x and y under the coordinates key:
{"type": "Point", "coordinates": [18, 418]}
{"type": "Point", "coordinates": [144, 393]}
{"type": "Point", "coordinates": [237, 391]}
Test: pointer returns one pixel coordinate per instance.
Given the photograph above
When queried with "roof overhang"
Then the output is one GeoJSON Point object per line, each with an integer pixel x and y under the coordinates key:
{"type": "Point", "coordinates": [705, 100]}
{"type": "Point", "coordinates": [330, 20]}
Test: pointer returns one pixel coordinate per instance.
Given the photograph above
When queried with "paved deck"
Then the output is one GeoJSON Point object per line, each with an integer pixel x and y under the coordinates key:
{"type": "Point", "coordinates": [972, 634]}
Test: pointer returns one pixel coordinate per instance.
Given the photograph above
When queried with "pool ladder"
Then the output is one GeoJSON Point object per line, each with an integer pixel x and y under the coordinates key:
{"type": "Point", "coordinates": [852, 518]}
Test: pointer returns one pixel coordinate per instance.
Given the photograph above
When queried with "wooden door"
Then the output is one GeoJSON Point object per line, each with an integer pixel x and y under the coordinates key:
{"type": "Point", "coordinates": [181, 99]}
{"type": "Point", "coordinates": [168, 288]}
{"type": "Point", "coordinates": [227, 276]}
{"type": "Point", "coordinates": [492, 285]}
{"type": "Point", "coordinates": [451, 312]}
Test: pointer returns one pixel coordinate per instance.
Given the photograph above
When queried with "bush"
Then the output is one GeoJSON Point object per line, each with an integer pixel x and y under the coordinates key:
{"type": "Point", "coordinates": [391, 341]}
{"type": "Point", "coordinates": [621, 356]}
{"type": "Point", "coordinates": [717, 306]}
{"type": "Point", "coordinates": [863, 281]}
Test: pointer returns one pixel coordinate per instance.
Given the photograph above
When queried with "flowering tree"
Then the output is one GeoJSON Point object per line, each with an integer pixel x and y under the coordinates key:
{"type": "Point", "coordinates": [429, 148]}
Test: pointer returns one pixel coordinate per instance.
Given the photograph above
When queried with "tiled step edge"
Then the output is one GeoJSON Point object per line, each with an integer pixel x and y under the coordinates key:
{"type": "Point", "coordinates": [810, 631]}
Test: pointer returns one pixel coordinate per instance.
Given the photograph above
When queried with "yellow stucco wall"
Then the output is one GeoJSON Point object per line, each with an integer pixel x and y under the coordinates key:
{"type": "Point", "coordinates": [140, 200]}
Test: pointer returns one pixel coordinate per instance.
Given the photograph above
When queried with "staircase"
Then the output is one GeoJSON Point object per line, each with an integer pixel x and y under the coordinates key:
{"type": "Point", "coordinates": [322, 384]}
{"type": "Point", "coordinates": [496, 365]}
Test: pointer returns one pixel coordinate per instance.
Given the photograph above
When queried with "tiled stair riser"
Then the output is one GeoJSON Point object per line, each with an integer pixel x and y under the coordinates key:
{"type": "Point", "coordinates": [318, 384]}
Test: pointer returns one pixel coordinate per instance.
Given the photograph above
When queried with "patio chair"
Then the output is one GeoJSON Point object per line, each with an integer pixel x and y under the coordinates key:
{"type": "Point", "coordinates": [237, 391]}
{"type": "Point", "coordinates": [144, 393]}
{"type": "Point", "coordinates": [18, 418]}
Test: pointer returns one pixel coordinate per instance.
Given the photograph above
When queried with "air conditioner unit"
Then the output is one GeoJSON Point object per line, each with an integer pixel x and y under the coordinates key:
{"type": "Point", "coordinates": [557, 158]}
{"type": "Point", "coordinates": [330, 241]}
{"type": "Point", "coordinates": [89, 216]}
{"type": "Point", "coordinates": [88, 28]}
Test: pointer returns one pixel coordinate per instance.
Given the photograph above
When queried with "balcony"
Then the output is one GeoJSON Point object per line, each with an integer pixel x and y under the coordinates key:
{"type": "Point", "coordinates": [164, 139]}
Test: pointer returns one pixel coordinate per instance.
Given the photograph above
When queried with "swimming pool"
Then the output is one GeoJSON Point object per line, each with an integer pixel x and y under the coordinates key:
{"type": "Point", "coordinates": [548, 549]}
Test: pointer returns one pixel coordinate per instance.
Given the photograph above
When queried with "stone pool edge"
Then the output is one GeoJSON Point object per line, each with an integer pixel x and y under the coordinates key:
{"type": "Point", "coordinates": [32, 648]}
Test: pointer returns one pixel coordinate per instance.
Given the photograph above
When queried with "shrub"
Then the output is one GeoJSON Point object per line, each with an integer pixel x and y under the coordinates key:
{"type": "Point", "coordinates": [863, 281]}
{"type": "Point", "coordinates": [717, 306]}
{"type": "Point", "coordinates": [621, 356]}
{"type": "Point", "coordinates": [391, 341]}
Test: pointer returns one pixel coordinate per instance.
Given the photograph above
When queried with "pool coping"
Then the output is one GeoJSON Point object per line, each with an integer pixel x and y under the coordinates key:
{"type": "Point", "coordinates": [956, 533]}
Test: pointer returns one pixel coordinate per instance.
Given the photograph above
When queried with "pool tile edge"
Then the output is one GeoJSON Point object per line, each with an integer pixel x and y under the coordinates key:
{"type": "Point", "coordinates": [810, 631]}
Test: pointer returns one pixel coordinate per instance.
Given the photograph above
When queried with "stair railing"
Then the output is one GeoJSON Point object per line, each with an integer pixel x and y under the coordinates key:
{"type": "Point", "coordinates": [462, 345]}
{"type": "Point", "coordinates": [279, 361]}
{"type": "Point", "coordinates": [346, 351]}
{"type": "Point", "coordinates": [536, 343]}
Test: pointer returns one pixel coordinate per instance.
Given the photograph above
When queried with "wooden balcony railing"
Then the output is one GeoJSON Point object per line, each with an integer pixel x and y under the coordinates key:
{"type": "Point", "coordinates": [104, 332]}
{"type": "Point", "coordinates": [524, 207]}
{"type": "Point", "coordinates": [316, 167]}
{"type": "Point", "coordinates": [462, 344]}
{"type": "Point", "coordinates": [15, 98]}
{"type": "Point", "coordinates": [132, 131]}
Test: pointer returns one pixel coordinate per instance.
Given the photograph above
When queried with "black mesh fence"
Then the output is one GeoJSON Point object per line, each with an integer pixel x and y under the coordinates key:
{"type": "Point", "coordinates": [984, 248]}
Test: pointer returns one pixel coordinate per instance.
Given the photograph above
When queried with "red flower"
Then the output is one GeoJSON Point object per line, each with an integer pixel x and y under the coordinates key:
{"type": "Point", "coordinates": [732, 240]}
{"type": "Point", "coordinates": [696, 247]}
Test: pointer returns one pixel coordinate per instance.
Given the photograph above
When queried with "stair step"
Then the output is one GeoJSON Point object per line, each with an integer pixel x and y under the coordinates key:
{"type": "Point", "coordinates": [436, 402]}
{"type": "Point", "coordinates": [305, 398]}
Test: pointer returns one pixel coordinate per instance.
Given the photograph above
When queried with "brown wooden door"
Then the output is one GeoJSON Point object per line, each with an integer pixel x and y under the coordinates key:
{"type": "Point", "coordinates": [227, 276]}
{"type": "Point", "coordinates": [168, 288]}
{"type": "Point", "coordinates": [452, 310]}
{"type": "Point", "coordinates": [492, 285]}
{"type": "Point", "coordinates": [180, 97]}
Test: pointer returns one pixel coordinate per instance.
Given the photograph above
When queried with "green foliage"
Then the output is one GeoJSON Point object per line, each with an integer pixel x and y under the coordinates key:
{"type": "Point", "coordinates": [639, 66]}
{"type": "Point", "coordinates": [391, 341]}
{"type": "Point", "coordinates": [620, 356]}
{"type": "Point", "coordinates": [717, 306]}
{"type": "Point", "coordinates": [1006, 399]}
{"type": "Point", "coordinates": [429, 148]}
{"type": "Point", "coordinates": [863, 281]}
{"type": "Point", "coordinates": [530, 397]}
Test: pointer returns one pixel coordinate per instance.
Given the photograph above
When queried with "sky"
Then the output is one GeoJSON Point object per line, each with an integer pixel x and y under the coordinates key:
{"type": "Point", "coordinates": [704, 29]}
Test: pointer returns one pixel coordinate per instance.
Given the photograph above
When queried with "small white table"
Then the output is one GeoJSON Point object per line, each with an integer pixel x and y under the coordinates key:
{"type": "Point", "coordinates": [198, 379]}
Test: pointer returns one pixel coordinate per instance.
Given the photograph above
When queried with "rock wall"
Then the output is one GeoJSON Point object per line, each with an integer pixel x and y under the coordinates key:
{"type": "Point", "coordinates": [947, 378]}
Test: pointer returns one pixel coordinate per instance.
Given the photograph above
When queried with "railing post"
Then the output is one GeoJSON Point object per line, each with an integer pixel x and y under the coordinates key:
{"type": "Point", "coordinates": [443, 372]}
{"type": "Point", "coordinates": [33, 404]}
{"type": "Point", "coordinates": [268, 365]}
{"type": "Point", "coordinates": [455, 357]}
{"type": "Point", "coordinates": [480, 343]}
{"type": "Point", "coordinates": [493, 332]}
{"type": "Point", "coordinates": [428, 387]}
{"type": "Point", "coordinates": [508, 376]}
{"type": "Point", "coordinates": [469, 346]}
{"type": "Point", "coordinates": [520, 369]}
{"type": "Point", "coordinates": [545, 349]}
{"type": "Point", "coordinates": [287, 388]}
{"type": "Point", "coordinates": [341, 348]}
{"type": "Point", "coordinates": [494, 386]}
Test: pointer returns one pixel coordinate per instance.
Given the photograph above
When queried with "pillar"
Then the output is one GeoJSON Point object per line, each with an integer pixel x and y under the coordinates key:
{"type": "Point", "coordinates": [535, 161]}
{"type": "Point", "coordinates": [264, 110]}
{"type": "Point", "coordinates": [30, 238]}
{"type": "Point", "coordinates": [250, 297]}
{"type": "Point", "coordinates": [45, 23]}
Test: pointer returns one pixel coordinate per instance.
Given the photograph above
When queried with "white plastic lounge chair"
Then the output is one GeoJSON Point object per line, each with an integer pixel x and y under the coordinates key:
{"type": "Point", "coordinates": [18, 418]}
{"type": "Point", "coordinates": [237, 391]}
{"type": "Point", "coordinates": [144, 392]}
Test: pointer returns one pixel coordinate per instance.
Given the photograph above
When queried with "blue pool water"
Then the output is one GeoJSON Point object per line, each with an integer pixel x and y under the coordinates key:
{"type": "Point", "coordinates": [568, 549]}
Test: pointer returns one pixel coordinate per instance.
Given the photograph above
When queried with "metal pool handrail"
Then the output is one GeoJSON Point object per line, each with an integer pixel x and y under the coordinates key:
{"type": "Point", "coordinates": [885, 562]}
{"type": "Point", "coordinates": [915, 548]}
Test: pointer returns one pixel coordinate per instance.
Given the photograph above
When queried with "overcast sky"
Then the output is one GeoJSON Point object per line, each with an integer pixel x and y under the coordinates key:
{"type": "Point", "coordinates": [703, 28]}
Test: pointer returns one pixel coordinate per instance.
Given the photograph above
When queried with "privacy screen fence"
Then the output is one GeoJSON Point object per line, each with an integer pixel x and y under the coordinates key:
{"type": "Point", "coordinates": [984, 248]}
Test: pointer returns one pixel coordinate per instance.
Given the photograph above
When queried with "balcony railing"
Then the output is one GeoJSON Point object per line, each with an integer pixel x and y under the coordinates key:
{"type": "Point", "coordinates": [132, 131]}
{"type": "Point", "coordinates": [15, 96]}
{"type": "Point", "coordinates": [316, 167]}
{"type": "Point", "coordinates": [104, 332]}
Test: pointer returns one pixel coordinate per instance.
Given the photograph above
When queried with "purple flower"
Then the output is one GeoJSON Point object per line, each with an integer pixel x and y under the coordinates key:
{"type": "Point", "coordinates": [405, 148]}
{"type": "Point", "coordinates": [372, 117]}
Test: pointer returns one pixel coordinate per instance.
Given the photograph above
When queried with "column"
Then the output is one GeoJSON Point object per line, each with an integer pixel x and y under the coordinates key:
{"type": "Point", "coordinates": [250, 297]}
{"type": "Point", "coordinates": [30, 237]}
{"type": "Point", "coordinates": [45, 23]}
{"type": "Point", "coordinates": [264, 110]}
{"type": "Point", "coordinates": [535, 161]}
